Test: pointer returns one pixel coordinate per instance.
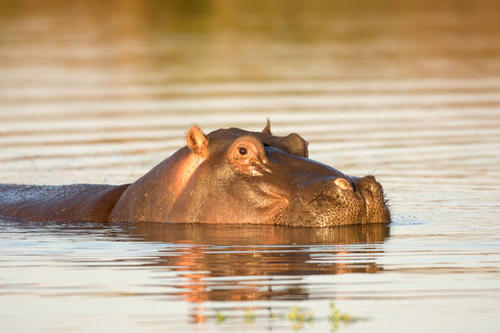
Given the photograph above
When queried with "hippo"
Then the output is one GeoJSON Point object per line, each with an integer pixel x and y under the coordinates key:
{"type": "Point", "coordinates": [228, 176]}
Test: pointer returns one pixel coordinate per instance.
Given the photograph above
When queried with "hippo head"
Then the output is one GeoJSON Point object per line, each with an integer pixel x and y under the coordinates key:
{"type": "Point", "coordinates": [238, 176]}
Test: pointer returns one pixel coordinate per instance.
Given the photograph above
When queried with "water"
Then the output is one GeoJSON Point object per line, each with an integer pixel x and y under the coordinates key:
{"type": "Point", "coordinates": [408, 92]}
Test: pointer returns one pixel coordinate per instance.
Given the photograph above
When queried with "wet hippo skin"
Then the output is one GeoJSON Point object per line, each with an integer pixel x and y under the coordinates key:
{"type": "Point", "coordinates": [228, 176]}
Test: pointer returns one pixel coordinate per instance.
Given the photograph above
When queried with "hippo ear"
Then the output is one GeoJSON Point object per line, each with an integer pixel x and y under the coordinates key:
{"type": "Point", "coordinates": [197, 141]}
{"type": "Point", "coordinates": [267, 129]}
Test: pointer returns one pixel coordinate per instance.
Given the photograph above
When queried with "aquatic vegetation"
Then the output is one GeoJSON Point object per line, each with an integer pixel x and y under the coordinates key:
{"type": "Point", "coordinates": [249, 316]}
{"type": "Point", "coordinates": [220, 317]}
{"type": "Point", "coordinates": [336, 317]}
{"type": "Point", "coordinates": [297, 317]}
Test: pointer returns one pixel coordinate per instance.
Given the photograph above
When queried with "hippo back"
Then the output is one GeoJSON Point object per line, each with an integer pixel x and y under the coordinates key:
{"type": "Point", "coordinates": [78, 202]}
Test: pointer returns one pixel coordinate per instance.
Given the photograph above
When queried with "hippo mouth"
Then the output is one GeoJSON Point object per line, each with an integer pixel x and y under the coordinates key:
{"type": "Point", "coordinates": [375, 202]}
{"type": "Point", "coordinates": [361, 203]}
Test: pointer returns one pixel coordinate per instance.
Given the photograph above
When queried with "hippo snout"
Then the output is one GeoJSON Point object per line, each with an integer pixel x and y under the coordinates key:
{"type": "Point", "coordinates": [338, 199]}
{"type": "Point", "coordinates": [375, 202]}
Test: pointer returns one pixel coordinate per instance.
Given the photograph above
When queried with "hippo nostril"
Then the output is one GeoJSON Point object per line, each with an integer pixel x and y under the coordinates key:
{"type": "Point", "coordinates": [369, 183]}
{"type": "Point", "coordinates": [343, 183]}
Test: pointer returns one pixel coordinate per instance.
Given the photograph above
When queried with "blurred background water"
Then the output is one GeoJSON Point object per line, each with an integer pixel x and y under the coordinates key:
{"type": "Point", "coordinates": [100, 92]}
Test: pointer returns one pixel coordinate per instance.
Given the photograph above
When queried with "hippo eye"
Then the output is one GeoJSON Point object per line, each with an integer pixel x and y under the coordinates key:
{"type": "Point", "coordinates": [242, 151]}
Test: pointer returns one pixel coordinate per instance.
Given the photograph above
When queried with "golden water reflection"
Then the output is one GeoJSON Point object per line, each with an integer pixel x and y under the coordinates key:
{"type": "Point", "coordinates": [249, 263]}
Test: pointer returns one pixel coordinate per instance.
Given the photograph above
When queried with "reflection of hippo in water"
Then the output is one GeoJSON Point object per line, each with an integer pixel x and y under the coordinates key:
{"type": "Point", "coordinates": [261, 261]}
{"type": "Point", "coordinates": [227, 176]}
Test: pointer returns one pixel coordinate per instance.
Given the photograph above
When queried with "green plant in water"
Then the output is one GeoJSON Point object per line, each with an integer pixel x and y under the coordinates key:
{"type": "Point", "coordinates": [336, 317]}
{"type": "Point", "coordinates": [249, 316]}
{"type": "Point", "coordinates": [220, 317]}
{"type": "Point", "coordinates": [297, 317]}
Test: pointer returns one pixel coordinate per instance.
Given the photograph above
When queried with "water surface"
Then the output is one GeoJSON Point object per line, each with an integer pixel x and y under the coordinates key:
{"type": "Point", "coordinates": [100, 93]}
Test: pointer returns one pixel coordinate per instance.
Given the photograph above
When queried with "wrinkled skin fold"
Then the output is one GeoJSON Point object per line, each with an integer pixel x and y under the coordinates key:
{"type": "Point", "coordinates": [228, 176]}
